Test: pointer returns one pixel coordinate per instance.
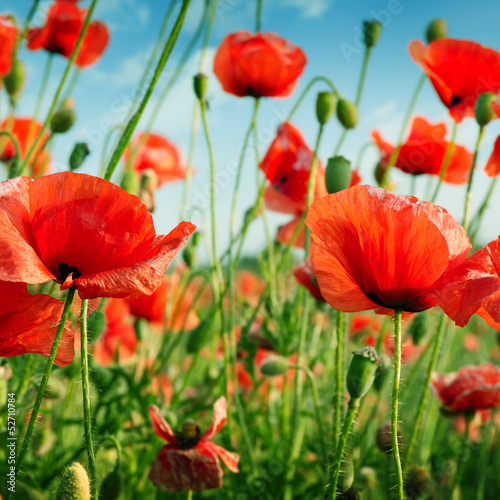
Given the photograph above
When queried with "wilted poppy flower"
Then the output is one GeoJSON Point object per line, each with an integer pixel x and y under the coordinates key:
{"type": "Point", "coordinates": [190, 461]}
{"type": "Point", "coordinates": [157, 154]}
{"type": "Point", "coordinates": [493, 165]}
{"type": "Point", "coordinates": [261, 65]}
{"type": "Point", "coordinates": [473, 387]}
{"type": "Point", "coordinates": [8, 34]}
{"type": "Point", "coordinates": [82, 231]}
{"type": "Point", "coordinates": [119, 340]}
{"type": "Point", "coordinates": [25, 130]}
{"type": "Point", "coordinates": [62, 29]}
{"type": "Point", "coordinates": [459, 70]}
{"type": "Point", "coordinates": [424, 152]}
{"type": "Point", "coordinates": [305, 276]}
{"type": "Point", "coordinates": [374, 250]}
{"type": "Point", "coordinates": [28, 324]}
{"type": "Point", "coordinates": [474, 288]}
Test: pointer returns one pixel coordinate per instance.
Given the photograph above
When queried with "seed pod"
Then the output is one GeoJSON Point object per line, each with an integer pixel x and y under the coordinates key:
{"type": "Point", "coordinates": [273, 366]}
{"type": "Point", "coordinates": [371, 31]}
{"type": "Point", "coordinates": [361, 373]}
{"type": "Point", "coordinates": [96, 323]}
{"type": "Point", "coordinates": [62, 120]}
{"type": "Point", "coordinates": [436, 29]}
{"type": "Point", "coordinates": [200, 84]}
{"type": "Point", "coordinates": [326, 102]}
{"type": "Point", "coordinates": [337, 174]}
{"type": "Point", "coordinates": [78, 155]}
{"type": "Point", "coordinates": [14, 81]}
{"type": "Point", "coordinates": [347, 113]}
{"type": "Point", "coordinates": [74, 484]}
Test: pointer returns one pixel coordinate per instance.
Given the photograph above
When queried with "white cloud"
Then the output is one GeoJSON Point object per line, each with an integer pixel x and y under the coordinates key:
{"type": "Point", "coordinates": [309, 8]}
{"type": "Point", "coordinates": [124, 15]}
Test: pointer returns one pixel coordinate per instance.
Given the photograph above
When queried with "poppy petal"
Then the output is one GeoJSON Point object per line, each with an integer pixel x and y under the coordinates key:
{"type": "Point", "coordinates": [229, 458]}
{"type": "Point", "coordinates": [160, 426]}
{"type": "Point", "coordinates": [493, 166]}
{"type": "Point", "coordinates": [218, 419]}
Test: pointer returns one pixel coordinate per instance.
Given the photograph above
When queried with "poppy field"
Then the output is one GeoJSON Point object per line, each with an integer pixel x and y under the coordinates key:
{"type": "Point", "coordinates": [308, 325]}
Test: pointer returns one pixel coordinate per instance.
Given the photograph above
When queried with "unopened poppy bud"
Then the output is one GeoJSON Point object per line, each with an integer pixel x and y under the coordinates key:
{"type": "Point", "coordinates": [326, 102]}
{"type": "Point", "coordinates": [78, 155]}
{"type": "Point", "coordinates": [273, 366]}
{"type": "Point", "coordinates": [15, 166]}
{"type": "Point", "coordinates": [149, 184]}
{"type": "Point", "coordinates": [337, 174]}
{"type": "Point", "coordinates": [371, 32]}
{"type": "Point", "coordinates": [436, 29]}
{"type": "Point", "coordinates": [384, 439]}
{"type": "Point", "coordinates": [200, 84]}
{"type": "Point", "coordinates": [74, 484]}
{"type": "Point", "coordinates": [347, 113]}
{"type": "Point", "coordinates": [361, 373]}
{"type": "Point", "coordinates": [484, 110]}
{"type": "Point", "coordinates": [189, 256]}
{"type": "Point", "coordinates": [418, 328]}
{"type": "Point", "coordinates": [190, 428]}
{"type": "Point", "coordinates": [112, 485]}
{"type": "Point", "coordinates": [381, 376]}
{"type": "Point", "coordinates": [418, 483]}
{"type": "Point", "coordinates": [14, 81]}
{"type": "Point", "coordinates": [96, 323]}
{"type": "Point", "coordinates": [196, 337]}
{"type": "Point", "coordinates": [347, 474]}
{"type": "Point", "coordinates": [130, 182]}
{"type": "Point", "coordinates": [62, 120]}
{"type": "Point", "coordinates": [367, 476]}
{"type": "Point", "coordinates": [141, 327]}
{"type": "Point", "coordinates": [195, 238]}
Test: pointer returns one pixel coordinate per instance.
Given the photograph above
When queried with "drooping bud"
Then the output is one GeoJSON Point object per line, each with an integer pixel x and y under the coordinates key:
{"type": "Point", "coordinates": [326, 102]}
{"type": "Point", "coordinates": [371, 32]}
{"type": "Point", "coordinates": [130, 182]}
{"type": "Point", "coordinates": [149, 184]}
{"type": "Point", "coordinates": [200, 84]}
{"type": "Point", "coordinates": [418, 328]}
{"type": "Point", "coordinates": [189, 256]}
{"type": "Point", "coordinates": [436, 29]}
{"type": "Point", "coordinates": [361, 373]}
{"type": "Point", "coordinates": [62, 120]}
{"type": "Point", "coordinates": [384, 439]}
{"type": "Point", "coordinates": [141, 327]}
{"type": "Point", "coordinates": [273, 366]}
{"type": "Point", "coordinates": [418, 483]}
{"type": "Point", "coordinates": [381, 375]}
{"type": "Point", "coordinates": [484, 110]}
{"type": "Point", "coordinates": [14, 81]}
{"type": "Point", "coordinates": [74, 484]}
{"type": "Point", "coordinates": [347, 474]}
{"type": "Point", "coordinates": [337, 174]}
{"type": "Point", "coordinates": [347, 113]}
{"type": "Point", "coordinates": [112, 485]}
{"type": "Point", "coordinates": [78, 155]}
{"type": "Point", "coordinates": [96, 323]}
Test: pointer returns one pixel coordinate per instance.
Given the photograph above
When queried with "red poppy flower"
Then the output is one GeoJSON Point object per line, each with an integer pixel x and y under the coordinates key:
{"type": "Point", "coordinates": [119, 339]}
{"type": "Point", "coordinates": [190, 461]}
{"type": "Point", "coordinates": [61, 31]}
{"type": "Point", "coordinates": [363, 322]}
{"type": "Point", "coordinates": [409, 351]}
{"type": "Point", "coordinates": [25, 130]}
{"type": "Point", "coordinates": [474, 288]}
{"type": "Point", "coordinates": [459, 70]}
{"type": "Point", "coordinates": [424, 152]}
{"type": "Point", "coordinates": [289, 231]}
{"type": "Point", "coordinates": [261, 65]}
{"type": "Point", "coordinates": [474, 387]}
{"type": "Point", "coordinates": [82, 231]}
{"type": "Point", "coordinates": [8, 34]}
{"type": "Point", "coordinates": [305, 276]}
{"type": "Point", "coordinates": [287, 165]}
{"type": "Point", "coordinates": [493, 165]}
{"type": "Point", "coordinates": [159, 155]}
{"type": "Point", "coordinates": [374, 250]}
{"type": "Point", "coordinates": [28, 324]}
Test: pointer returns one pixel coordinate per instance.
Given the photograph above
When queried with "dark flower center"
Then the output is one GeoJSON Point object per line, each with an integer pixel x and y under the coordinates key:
{"type": "Point", "coordinates": [65, 270]}
{"type": "Point", "coordinates": [455, 100]}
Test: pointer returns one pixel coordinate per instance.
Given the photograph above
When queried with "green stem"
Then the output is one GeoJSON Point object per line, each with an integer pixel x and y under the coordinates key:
{"type": "Point", "coordinates": [307, 89]}
{"type": "Point", "coordinates": [471, 176]}
{"type": "Point", "coordinates": [362, 77]}
{"type": "Point", "coordinates": [26, 26]}
{"type": "Point", "coordinates": [339, 376]}
{"type": "Point", "coordinates": [190, 495]}
{"type": "Point", "coordinates": [404, 125]}
{"type": "Point", "coordinates": [86, 397]}
{"type": "Point", "coordinates": [395, 403]}
{"type": "Point", "coordinates": [134, 120]}
{"type": "Point", "coordinates": [483, 457]}
{"type": "Point", "coordinates": [44, 381]}
{"type": "Point", "coordinates": [352, 408]}
{"type": "Point", "coordinates": [340, 142]}
{"type": "Point", "coordinates": [258, 16]}
{"type": "Point", "coordinates": [361, 154]}
{"type": "Point", "coordinates": [463, 450]}
{"type": "Point", "coordinates": [446, 162]}
{"type": "Point", "coordinates": [41, 94]}
{"type": "Point", "coordinates": [55, 100]}
{"type": "Point", "coordinates": [479, 216]}
{"type": "Point", "coordinates": [421, 403]}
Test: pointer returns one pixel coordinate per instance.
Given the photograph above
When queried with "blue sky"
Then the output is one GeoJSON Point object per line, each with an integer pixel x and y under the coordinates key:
{"type": "Point", "coordinates": [327, 31]}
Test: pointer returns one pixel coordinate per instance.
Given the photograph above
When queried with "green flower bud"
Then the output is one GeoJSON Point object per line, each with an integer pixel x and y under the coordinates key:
{"type": "Point", "coordinates": [326, 102]}
{"type": "Point", "coordinates": [371, 31]}
{"type": "Point", "coordinates": [14, 81]}
{"type": "Point", "coordinates": [436, 29]}
{"type": "Point", "coordinates": [190, 428]}
{"type": "Point", "coordinates": [15, 165]}
{"type": "Point", "coordinates": [418, 328]}
{"type": "Point", "coordinates": [141, 327]}
{"type": "Point", "coordinates": [96, 323]}
{"type": "Point", "coordinates": [337, 174]}
{"type": "Point", "coordinates": [347, 113]}
{"type": "Point", "coordinates": [347, 474]}
{"type": "Point", "coordinates": [361, 373]}
{"type": "Point", "coordinates": [196, 337]}
{"type": "Point", "coordinates": [195, 238]}
{"type": "Point", "coordinates": [112, 485]}
{"type": "Point", "coordinates": [62, 120]}
{"type": "Point", "coordinates": [273, 366]}
{"type": "Point", "coordinates": [78, 155]}
{"type": "Point", "coordinates": [367, 476]}
{"type": "Point", "coordinates": [200, 84]}
{"type": "Point", "coordinates": [130, 182]}
{"type": "Point", "coordinates": [189, 256]}
{"type": "Point", "coordinates": [381, 375]}
{"type": "Point", "coordinates": [484, 110]}
{"type": "Point", "coordinates": [418, 483]}
{"type": "Point", "coordinates": [74, 484]}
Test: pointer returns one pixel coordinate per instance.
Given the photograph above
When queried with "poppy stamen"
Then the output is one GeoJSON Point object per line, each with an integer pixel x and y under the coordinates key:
{"type": "Point", "coordinates": [65, 270]}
